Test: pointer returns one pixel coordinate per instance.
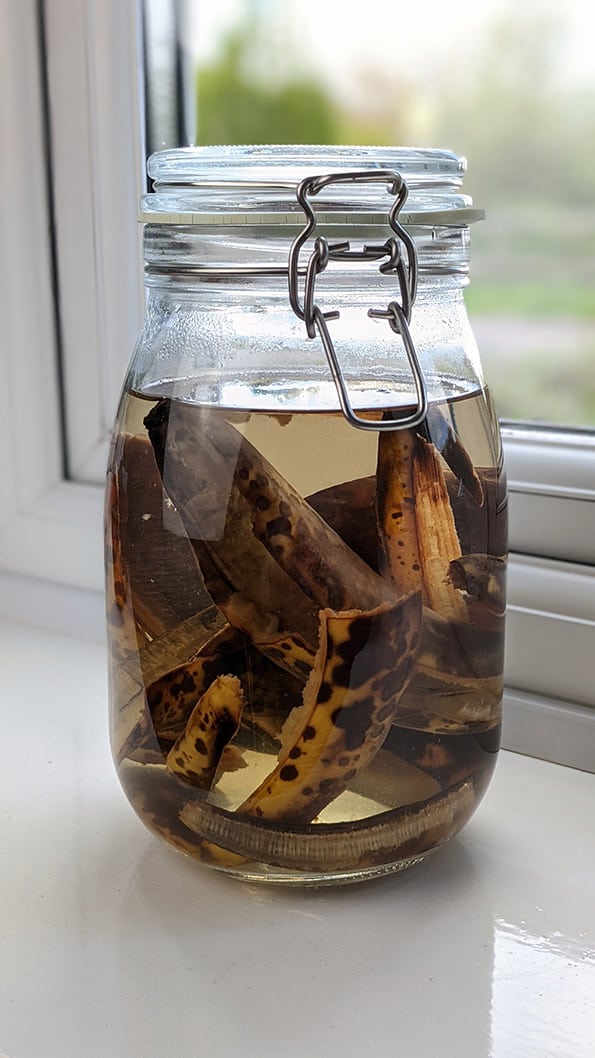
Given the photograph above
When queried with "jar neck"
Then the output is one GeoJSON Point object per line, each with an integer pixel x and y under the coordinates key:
{"type": "Point", "coordinates": [246, 292]}
{"type": "Point", "coordinates": [182, 261]}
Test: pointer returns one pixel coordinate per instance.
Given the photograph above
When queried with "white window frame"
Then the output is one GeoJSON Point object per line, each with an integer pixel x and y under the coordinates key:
{"type": "Point", "coordinates": [50, 524]}
{"type": "Point", "coordinates": [51, 527]}
{"type": "Point", "coordinates": [97, 175]}
{"type": "Point", "coordinates": [551, 483]}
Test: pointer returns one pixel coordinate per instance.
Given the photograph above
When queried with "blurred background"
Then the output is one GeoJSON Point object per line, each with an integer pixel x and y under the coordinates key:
{"type": "Point", "coordinates": [510, 86]}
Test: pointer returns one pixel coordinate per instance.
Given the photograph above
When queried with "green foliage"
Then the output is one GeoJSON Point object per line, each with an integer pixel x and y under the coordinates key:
{"type": "Point", "coordinates": [549, 387]}
{"type": "Point", "coordinates": [530, 299]}
{"type": "Point", "coordinates": [530, 143]}
{"type": "Point", "coordinates": [238, 104]}
{"type": "Point", "coordinates": [527, 135]}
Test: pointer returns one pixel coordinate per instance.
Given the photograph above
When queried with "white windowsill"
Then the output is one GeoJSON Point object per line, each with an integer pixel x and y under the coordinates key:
{"type": "Point", "coordinates": [548, 708]}
{"type": "Point", "coordinates": [485, 949]}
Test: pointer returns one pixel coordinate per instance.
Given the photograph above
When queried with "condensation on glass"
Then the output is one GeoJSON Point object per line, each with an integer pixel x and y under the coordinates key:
{"type": "Point", "coordinates": [306, 516]}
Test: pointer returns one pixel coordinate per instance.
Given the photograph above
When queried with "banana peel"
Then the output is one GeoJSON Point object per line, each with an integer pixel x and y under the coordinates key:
{"type": "Point", "coordinates": [197, 754]}
{"type": "Point", "coordinates": [363, 665]}
{"type": "Point", "coordinates": [416, 521]}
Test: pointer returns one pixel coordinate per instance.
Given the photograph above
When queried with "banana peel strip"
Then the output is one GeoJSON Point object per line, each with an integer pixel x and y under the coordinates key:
{"type": "Point", "coordinates": [416, 521]}
{"type": "Point", "coordinates": [197, 754]}
{"type": "Point", "coordinates": [400, 834]}
{"type": "Point", "coordinates": [226, 840]}
{"type": "Point", "coordinates": [363, 665]}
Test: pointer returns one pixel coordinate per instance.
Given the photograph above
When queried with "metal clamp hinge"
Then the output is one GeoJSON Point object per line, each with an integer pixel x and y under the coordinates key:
{"type": "Point", "coordinates": [397, 313]}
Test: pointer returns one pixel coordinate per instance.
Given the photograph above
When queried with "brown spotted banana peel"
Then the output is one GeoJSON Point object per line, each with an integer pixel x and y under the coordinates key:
{"type": "Point", "coordinates": [132, 721]}
{"type": "Point", "coordinates": [172, 697]}
{"type": "Point", "coordinates": [276, 561]}
{"type": "Point", "coordinates": [438, 540]}
{"type": "Point", "coordinates": [363, 665]}
{"type": "Point", "coordinates": [199, 479]}
{"type": "Point", "coordinates": [209, 463]}
{"type": "Point", "coordinates": [416, 521]}
{"type": "Point", "coordinates": [396, 509]}
{"type": "Point", "coordinates": [197, 754]}
{"type": "Point", "coordinates": [132, 618]}
{"type": "Point", "coordinates": [272, 689]}
{"type": "Point", "coordinates": [289, 650]}
{"type": "Point", "coordinates": [302, 543]}
{"type": "Point", "coordinates": [437, 706]}
{"type": "Point", "coordinates": [454, 453]}
{"type": "Point", "coordinates": [483, 579]}
{"type": "Point", "coordinates": [122, 631]}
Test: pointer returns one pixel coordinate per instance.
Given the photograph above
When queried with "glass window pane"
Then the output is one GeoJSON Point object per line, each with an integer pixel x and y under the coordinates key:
{"type": "Point", "coordinates": [510, 86]}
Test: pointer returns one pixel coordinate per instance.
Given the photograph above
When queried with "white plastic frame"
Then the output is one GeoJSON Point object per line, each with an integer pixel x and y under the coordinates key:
{"type": "Point", "coordinates": [50, 527]}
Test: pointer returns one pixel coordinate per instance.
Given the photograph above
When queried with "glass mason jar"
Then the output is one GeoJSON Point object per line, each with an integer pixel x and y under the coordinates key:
{"type": "Point", "coordinates": [306, 516]}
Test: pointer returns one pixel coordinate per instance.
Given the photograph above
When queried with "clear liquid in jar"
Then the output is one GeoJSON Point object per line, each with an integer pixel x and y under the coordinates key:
{"type": "Point", "coordinates": [254, 597]}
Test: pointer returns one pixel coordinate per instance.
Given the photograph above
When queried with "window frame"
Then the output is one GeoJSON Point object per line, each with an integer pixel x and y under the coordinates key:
{"type": "Point", "coordinates": [65, 206]}
{"type": "Point", "coordinates": [50, 525]}
{"type": "Point", "coordinates": [97, 156]}
{"type": "Point", "coordinates": [47, 523]}
{"type": "Point", "coordinates": [551, 483]}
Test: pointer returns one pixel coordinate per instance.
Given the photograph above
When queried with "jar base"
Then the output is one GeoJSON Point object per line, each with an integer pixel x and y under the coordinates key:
{"type": "Point", "coordinates": [267, 875]}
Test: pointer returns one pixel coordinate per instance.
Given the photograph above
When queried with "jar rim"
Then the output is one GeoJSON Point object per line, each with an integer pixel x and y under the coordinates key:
{"type": "Point", "coordinates": [189, 165]}
{"type": "Point", "coordinates": [247, 184]}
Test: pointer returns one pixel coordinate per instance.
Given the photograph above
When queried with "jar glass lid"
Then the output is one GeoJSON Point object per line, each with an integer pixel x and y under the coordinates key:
{"type": "Point", "coordinates": [237, 185]}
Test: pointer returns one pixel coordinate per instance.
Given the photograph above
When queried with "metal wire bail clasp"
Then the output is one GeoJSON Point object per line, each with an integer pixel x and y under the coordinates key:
{"type": "Point", "coordinates": [397, 313]}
